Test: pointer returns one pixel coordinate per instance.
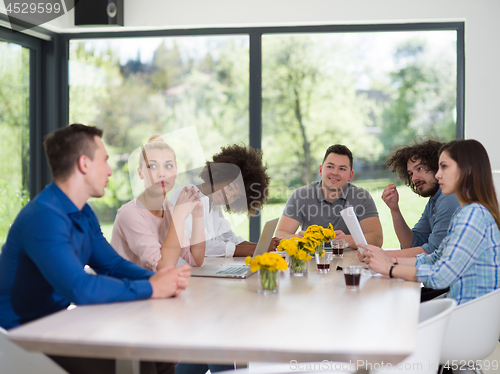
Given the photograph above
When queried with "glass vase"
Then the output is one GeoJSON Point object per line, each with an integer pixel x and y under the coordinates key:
{"type": "Point", "coordinates": [319, 249]}
{"type": "Point", "coordinates": [269, 281]}
{"type": "Point", "coordinates": [298, 268]}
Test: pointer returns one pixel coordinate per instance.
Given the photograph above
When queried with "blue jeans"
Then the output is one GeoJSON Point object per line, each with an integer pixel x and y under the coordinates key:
{"type": "Point", "coordinates": [182, 368]}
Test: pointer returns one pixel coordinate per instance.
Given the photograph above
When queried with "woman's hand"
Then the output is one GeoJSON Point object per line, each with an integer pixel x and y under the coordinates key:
{"type": "Point", "coordinates": [376, 259]}
{"type": "Point", "coordinates": [188, 201]}
{"type": "Point", "coordinates": [198, 210]}
{"type": "Point", "coordinates": [361, 255]}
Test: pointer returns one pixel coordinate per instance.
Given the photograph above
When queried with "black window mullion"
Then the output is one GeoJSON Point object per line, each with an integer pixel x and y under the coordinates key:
{"type": "Point", "coordinates": [255, 111]}
{"type": "Point", "coordinates": [35, 122]}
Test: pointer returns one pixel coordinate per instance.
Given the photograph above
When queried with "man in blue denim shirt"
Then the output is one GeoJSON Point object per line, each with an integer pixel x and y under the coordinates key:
{"type": "Point", "coordinates": [416, 166]}
{"type": "Point", "coordinates": [57, 234]}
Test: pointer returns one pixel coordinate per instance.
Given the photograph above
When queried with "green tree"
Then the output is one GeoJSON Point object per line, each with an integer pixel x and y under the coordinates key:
{"type": "Point", "coordinates": [133, 101]}
{"type": "Point", "coordinates": [14, 127]}
{"type": "Point", "coordinates": [91, 75]}
{"type": "Point", "coordinates": [423, 96]}
{"type": "Point", "coordinates": [213, 95]}
{"type": "Point", "coordinates": [309, 103]}
{"type": "Point", "coordinates": [168, 67]}
{"type": "Point", "coordinates": [101, 96]}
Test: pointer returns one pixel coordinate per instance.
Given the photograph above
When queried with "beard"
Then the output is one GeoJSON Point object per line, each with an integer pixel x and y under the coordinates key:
{"type": "Point", "coordinates": [430, 191]}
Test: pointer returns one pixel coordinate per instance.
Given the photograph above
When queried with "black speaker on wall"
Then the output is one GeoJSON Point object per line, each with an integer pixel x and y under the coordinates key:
{"type": "Point", "coordinates": [98, 12]}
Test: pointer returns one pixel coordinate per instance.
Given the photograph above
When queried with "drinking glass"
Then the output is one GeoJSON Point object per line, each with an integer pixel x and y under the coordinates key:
{"type": "Point", "coordinates": [352, 275]}
{"type": "Point", "coordinates": [323, 262]}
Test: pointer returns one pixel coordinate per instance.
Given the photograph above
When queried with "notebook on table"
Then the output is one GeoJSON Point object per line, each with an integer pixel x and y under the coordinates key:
{"type": "Point", "coordinates": [239, 271]}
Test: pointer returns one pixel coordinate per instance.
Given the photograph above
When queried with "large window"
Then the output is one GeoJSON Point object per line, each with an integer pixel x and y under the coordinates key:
{"type": "Point", "coordinates": [133, 88]}
{"type": "Point", "coordinates": [14, 127]}
{"type": "Point", "coordinates": [370, 91]}
{"type": "Point", "coordinates": [371, 88]}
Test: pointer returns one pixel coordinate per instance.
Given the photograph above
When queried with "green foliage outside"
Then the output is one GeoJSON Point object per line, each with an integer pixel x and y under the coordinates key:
{"type": "Point", "coordinates": [310, 101]}
{"type": "Point", "coordinates": [14, 139]}
{"type": "Point", "coordinates": [423, 96]}
{"type": "Point", "coordinates": [412, 207]}
{"type": "Point", "coordinates": [311, 94]}
{"type": "Point", "coordinates": [11, 202]}
{"type": "Point", "coordinates": [134, 101]}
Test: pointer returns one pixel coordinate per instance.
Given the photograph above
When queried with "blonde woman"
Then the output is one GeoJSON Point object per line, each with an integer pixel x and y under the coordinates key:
{"type": "Point", "coordinates": [149, 230]}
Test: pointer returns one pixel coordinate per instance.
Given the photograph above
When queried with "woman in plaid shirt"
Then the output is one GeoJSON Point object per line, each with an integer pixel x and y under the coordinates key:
{"type": "Point", "coordinates": [468, 259]}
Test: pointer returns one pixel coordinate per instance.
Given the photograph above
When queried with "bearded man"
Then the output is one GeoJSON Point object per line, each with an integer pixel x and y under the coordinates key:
{"type": "Point", "coordinates": [416, 166]}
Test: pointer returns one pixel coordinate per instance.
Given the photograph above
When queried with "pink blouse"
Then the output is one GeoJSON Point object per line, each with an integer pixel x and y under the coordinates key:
{"type": "Point", "coordinates": [138, 235]}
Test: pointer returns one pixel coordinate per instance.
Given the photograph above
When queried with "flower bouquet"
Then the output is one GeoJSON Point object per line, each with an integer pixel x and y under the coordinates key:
{"type": "Point", "coordinates": [301, 250]}
{"type": "Point", "coordinates": [268, 265]}
{"type": "Point", "coordinates": [319, 235]}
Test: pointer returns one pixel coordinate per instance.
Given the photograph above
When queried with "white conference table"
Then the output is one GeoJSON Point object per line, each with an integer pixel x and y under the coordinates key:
{"type": "Point", "coordinates": [215, 320]}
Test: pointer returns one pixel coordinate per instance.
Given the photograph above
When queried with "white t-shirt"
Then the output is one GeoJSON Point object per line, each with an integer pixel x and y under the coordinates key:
{"type": "Point", "coordinates": [221, 241]}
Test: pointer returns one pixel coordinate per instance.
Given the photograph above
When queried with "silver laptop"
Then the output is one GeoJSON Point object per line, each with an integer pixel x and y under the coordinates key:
{"type": "Point", "coordinates": [239, 271]}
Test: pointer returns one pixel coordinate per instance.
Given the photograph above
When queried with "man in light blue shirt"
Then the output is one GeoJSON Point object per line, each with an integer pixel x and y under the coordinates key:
{"type": "Point", "coordinates": [416, 166]}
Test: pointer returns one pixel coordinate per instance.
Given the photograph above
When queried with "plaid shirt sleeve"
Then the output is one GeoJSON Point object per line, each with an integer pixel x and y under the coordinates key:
{"type": "Point", "coordinates": [458, 252]}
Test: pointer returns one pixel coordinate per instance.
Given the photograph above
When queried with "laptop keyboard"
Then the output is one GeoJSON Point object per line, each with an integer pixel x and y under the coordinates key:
{"type": "Point", "coordinates": [235, 270]}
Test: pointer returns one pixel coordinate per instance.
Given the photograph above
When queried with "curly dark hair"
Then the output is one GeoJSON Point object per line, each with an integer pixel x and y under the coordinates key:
{"type": "Point", "coordinates": [253, 171]}
{"type": "Point", "coordinates": [425, 151]}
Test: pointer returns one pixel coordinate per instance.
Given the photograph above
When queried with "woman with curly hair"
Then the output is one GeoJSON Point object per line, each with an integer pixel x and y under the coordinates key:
{"type": "Point", "coordinates": [237, 179]}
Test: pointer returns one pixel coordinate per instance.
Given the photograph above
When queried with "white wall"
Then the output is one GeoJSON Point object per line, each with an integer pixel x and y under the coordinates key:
{"type": "Point", "coordinates": [482, 32]}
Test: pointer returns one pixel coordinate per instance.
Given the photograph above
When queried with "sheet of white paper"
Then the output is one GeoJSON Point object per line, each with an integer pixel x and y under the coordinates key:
{"type": "Point", "coordinates": [352, 224]}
